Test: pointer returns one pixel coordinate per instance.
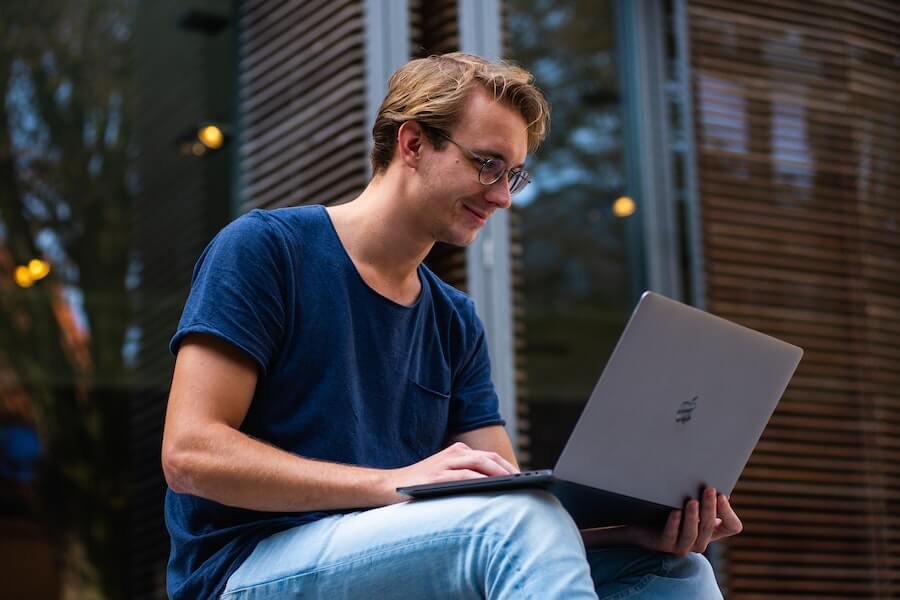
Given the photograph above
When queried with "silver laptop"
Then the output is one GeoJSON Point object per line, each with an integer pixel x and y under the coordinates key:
{"type": "Point", "coordinates": [681, 404]}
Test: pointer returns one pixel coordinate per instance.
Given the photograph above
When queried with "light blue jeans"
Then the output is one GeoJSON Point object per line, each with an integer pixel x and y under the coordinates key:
{"type": "Point", "coordinates": [520, 544]}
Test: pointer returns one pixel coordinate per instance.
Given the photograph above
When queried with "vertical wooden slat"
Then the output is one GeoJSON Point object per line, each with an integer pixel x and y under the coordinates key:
{"type": "Point", "coordinates": [517, 276]}
{"type": "Point", "coordinates": [796, 126]}
{"type": "Point", "coordinates": [435, 27]}
{"type": "Point", "coordinates": [517, 266]}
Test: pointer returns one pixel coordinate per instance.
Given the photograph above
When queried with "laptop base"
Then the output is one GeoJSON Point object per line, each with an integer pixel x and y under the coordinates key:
{"type": "Point", "coordinates": [589, 507]}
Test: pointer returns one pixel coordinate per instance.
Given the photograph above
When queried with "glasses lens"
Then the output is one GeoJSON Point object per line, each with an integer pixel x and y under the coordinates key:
{"type": "Point", "coordinates": [518, 180]}
{"type": "Point", "coordinates": [491, 171]}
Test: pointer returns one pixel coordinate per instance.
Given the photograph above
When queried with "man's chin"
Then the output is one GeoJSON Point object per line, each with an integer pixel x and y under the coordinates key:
{"type": "Point", "coordinates": [461, 241]}
{"type": "Point", "coordinates": [458, 239]}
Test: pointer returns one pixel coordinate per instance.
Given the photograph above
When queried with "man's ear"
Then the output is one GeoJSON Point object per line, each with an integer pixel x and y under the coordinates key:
{"type": "Point", "coordinates": [410, 140]}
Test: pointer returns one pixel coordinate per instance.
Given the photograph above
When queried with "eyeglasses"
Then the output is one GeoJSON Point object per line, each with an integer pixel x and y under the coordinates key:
{"type": "Point", "coordinates": [492, 169]}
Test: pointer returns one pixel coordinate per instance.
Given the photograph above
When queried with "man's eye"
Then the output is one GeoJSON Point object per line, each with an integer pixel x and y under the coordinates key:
{"type": "Point", "coordinates": [494, 166]}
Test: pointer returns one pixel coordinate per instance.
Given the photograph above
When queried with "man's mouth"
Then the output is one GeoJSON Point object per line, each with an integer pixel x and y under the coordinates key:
{"type": "Point", "coordinates": [481, 216]}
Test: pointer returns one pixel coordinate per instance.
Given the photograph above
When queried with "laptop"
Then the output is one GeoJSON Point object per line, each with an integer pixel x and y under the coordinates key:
{"type": "Point", "coordinates": [680, 406]}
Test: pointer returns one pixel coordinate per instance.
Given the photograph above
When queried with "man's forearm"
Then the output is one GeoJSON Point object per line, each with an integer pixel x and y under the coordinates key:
{"type": "Point", "coordinates": [227, 466]}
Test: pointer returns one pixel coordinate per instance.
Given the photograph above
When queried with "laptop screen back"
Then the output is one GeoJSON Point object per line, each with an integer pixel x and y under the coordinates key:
{"type": "Point", "coordinates": [680, 405]}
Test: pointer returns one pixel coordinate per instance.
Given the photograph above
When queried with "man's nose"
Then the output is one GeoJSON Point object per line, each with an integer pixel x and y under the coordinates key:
{"type": "Point", "coordinates": [498, 193]}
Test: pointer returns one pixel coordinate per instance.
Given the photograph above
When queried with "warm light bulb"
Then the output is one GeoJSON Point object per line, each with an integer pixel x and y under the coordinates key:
{"type": "Point", "coordinates": [211, 136]}
{"type": "Point", "coordinates": [623, 207]}
{"type": "Point", "coordinates": [38, 269]}
{"type": "Point", "coordinates": [23, 277]}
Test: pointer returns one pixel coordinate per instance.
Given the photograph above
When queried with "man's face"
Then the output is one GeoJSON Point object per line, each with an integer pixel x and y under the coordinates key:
{"type": "Point", "coordinates": [457, 205]}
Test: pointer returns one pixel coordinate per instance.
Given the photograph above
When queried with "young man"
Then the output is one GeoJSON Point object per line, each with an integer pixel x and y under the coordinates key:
{"type": "Point", "coordinates": [320, 366]}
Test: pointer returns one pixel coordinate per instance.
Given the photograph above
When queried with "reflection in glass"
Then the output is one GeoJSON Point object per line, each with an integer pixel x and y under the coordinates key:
{"type": "Point", "coordinates": [101, 220]}
{"type": "Point", "coordinates": [576, 274]}
{"type": "Point", "coordinates": [65, 213]}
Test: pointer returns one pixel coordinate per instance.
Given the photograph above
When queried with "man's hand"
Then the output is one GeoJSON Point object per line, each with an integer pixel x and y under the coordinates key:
{"type": "Point", "coordinates": [688, 530]}
{"type": "Point", "coordinates": [456, 462]}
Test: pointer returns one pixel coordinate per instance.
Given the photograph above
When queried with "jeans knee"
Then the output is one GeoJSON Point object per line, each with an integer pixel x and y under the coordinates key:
{"type": "Point", "coordinates": [535, 548]}
{"type": "Point", "coordinates": [698, 572]}
{"type": "Point", "coordinates": [522, 511]}
{"type": "Point", "coordinates": [698, 564]}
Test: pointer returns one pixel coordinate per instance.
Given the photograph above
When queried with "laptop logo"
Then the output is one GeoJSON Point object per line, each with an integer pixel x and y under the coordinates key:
{"type": "Point", "coordinates": [686, 410]}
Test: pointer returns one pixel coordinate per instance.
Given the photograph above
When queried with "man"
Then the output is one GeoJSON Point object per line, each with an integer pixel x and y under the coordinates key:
{"type": "Point", "coordinates": [320, 366]}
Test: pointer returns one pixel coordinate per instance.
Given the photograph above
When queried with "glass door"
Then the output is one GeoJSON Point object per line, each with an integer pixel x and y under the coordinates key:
{"type": "Point", "coordinates": [580, 269]}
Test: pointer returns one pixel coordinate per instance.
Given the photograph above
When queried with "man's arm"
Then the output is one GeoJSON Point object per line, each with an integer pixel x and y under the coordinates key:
{"type": "Point", "coordinates": [205, 454]}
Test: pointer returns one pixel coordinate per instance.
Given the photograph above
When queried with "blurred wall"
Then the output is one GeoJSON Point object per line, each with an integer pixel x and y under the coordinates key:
{"type": "Point", "coordinates": [797, 129]}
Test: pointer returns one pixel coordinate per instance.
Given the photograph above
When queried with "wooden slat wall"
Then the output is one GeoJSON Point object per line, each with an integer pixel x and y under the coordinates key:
{"type": "Point", "coordinates": [434, 27]}
{"type": "Point", "coordinates": [302, 102]}
{"type": "Point", "coordinates": [797, 129]}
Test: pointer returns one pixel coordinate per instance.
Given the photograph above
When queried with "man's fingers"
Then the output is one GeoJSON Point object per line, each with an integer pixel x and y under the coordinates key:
{"type": "Point", "coordinates": [483, 462]}
{"type": "Point", "coordinates": [689, 525]}
{"type": "Point", "coordinates": [707, 526]}
{"type": "Point", "coordinates": [461, 474]}
{"type": "Point", "coordinates": [691, 528]}
{"type": "Point", "coordinates": [731, 524]}
{"type": "Point", "coordinates": [669, 537]}
{"type": "Point", "coordinates": [505, 464]}
{"type": "Point", "coordinates": [460, 451]}
{"type": "Point", "coordinates": [493, 461]}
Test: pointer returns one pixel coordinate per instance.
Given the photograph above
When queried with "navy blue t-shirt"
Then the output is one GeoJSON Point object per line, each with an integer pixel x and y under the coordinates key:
{"type": "Point", "coordinates": [345, 374]}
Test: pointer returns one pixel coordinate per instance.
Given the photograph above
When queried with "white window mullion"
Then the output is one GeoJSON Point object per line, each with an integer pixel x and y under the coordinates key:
{"type": "Point", "coordinates": [387, 49]}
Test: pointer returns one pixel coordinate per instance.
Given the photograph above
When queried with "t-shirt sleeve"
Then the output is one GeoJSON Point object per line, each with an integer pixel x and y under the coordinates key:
{"type": "Point", "coordinates": [473, 399]}
{"type": "Point", "coordinates": [237, 290]}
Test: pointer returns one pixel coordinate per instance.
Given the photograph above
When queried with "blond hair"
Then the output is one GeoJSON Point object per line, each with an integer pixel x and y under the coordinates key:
{"type": "Point", "coordinates": [433, 91]}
